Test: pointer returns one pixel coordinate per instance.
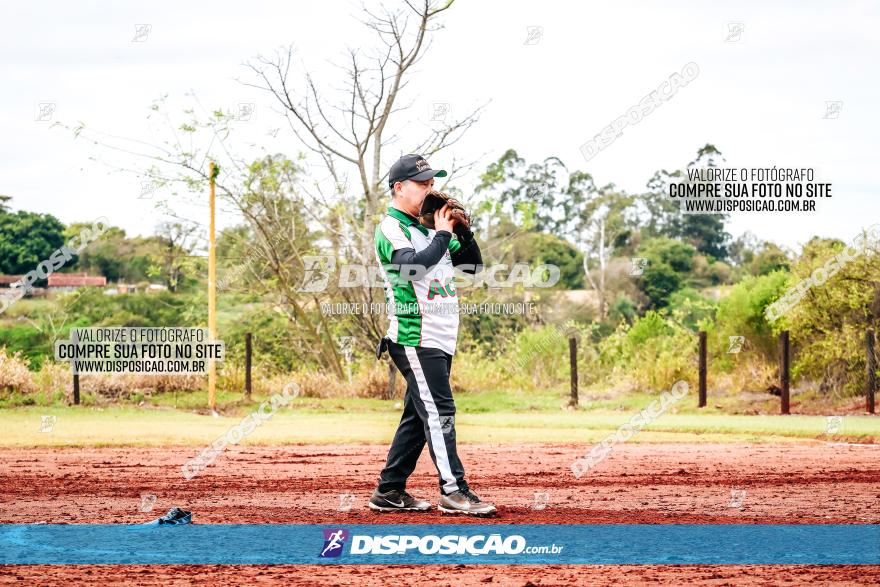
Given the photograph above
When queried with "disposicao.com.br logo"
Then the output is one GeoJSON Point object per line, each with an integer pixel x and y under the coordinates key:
{"type": "Point", "coordinates": [394, 544]}
{"type": "Point", "coordinates": [334, 542]}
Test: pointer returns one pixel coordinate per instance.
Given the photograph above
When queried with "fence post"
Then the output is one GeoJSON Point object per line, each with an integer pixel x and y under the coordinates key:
{"type": "Point", "coordinates": [871, 383]}
{"type": "Point", "coordinates": [702, 401]}
{"type": "Point", "coordinates": [74, 337]}
{"type": "Point", "coordinates": [248, 349]}
{"type": "Point", "coordinates": [572, 359]}
{"type": "Point", "coordinates": [784, 373]}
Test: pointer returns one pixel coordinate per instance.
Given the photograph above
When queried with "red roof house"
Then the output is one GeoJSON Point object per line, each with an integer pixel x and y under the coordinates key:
{"type": "Point", "coordinates": [76, 280]}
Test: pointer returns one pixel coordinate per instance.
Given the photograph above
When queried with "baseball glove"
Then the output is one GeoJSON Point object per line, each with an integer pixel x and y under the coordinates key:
{"type": "Point", "coordinates": [436, 200]}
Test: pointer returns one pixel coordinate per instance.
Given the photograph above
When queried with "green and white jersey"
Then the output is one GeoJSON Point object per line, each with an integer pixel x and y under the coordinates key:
{"type": "Point", "coordinates": [423, 312]}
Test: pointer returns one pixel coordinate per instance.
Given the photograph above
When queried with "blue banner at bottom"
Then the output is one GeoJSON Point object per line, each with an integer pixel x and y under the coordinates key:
{"type": "Point", "coordinates": [602, 544]}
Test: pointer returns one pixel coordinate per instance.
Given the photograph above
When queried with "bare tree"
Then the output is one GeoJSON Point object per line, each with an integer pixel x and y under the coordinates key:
{"type": "Point", "coordinates": [178, 242]}
{"type": "Point", "coordinates": [351, 136]}
{"type": "Point", "coordinates": [347, 130]}
{"type": "Point", "coordinates": [606, 218]}
{"type": "Point", "coordinates": [281, 239]}
{"type": "Point", "coordinates": [352, 133]}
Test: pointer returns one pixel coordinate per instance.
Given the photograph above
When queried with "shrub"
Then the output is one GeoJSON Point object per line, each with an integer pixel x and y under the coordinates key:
{"type": "Point", "coordinates": [27, 340]}
{"type": "Point", "coordinates": [14, 373]}
{"type": "Point", "coordinates": [126, 385]}
{"type": "Point", "coordinates": [689, 308]}
{"type": "Point", "coordinates": [828, 325]}
{"type": "Point", "coordinates": [741, 313]}
{"type": "Point", "coordinates": [538, 355]}
{"type": "Point", "coordinates": [653, 353]}
{"type": "Point", "coordinates": [53, 379]}
{"type": "Point", "coordinates": [623, 310]}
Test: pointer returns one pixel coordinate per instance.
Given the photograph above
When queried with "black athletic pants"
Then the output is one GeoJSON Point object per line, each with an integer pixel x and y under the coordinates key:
{"type": "Point", "coordinates": [428, 416]}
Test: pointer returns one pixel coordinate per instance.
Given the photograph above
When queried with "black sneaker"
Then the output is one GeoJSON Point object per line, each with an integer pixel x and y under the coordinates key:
{"type": "Point", "coordinates": [175, 517]}
{"type": "Point", "coordinates": [465, 502]}
{"type": "Point", "coordinates": [397, 501]}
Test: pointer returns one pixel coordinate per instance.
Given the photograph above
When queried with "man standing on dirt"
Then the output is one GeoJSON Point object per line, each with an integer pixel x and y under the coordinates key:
{"type": "Point", "coordinates": [417, 264]}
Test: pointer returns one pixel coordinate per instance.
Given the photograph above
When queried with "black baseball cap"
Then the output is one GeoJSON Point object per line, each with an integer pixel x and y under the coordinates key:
{"type": "Point", "coordinates": [413, 167]}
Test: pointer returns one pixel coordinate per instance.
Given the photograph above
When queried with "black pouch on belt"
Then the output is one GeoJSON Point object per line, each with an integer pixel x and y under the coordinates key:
{"type": "Point", "coordinates": [383, 346]}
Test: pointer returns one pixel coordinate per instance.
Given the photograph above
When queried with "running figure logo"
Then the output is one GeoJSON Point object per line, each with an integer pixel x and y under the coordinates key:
{"type": "Point", "coordinates": [334, 540]}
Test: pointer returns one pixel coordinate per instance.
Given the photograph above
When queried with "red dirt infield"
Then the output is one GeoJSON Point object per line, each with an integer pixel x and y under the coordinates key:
{"type": "Point", "coordinates": [805, 483]}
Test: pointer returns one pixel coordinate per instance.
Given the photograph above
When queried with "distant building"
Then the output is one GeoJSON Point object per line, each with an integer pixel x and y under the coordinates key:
{"type": "Point", "coordinates": [72, 281]}
{"type": "Point", "coordinates": [130, 288]}
{"type": "Point", "coordinates": [8, 280]}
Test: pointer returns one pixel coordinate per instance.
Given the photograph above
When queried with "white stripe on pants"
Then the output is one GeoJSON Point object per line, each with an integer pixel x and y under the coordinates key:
{"type": "Point", "coordinates": [437, 441]}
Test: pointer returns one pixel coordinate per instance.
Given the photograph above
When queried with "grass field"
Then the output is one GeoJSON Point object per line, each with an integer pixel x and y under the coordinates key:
{"type": "Point", "coordinates": [481, 418]}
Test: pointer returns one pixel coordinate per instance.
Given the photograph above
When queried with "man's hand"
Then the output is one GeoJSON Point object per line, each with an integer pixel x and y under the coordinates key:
{"type": "Point", "coordinates": [443, 219]}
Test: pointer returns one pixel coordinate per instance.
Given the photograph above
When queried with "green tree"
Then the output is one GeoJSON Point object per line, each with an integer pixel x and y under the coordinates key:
{"type": "Point", "coordinates": [549, 249]}
{"type": "Point", "coordinates": [742, 249]}
{"type": "Point", "coordinates": [669, 263]}
{"type": "Point", "coordinates": [757, 257]}
{"type": "Point", "coordinates": [706, 231]}
{"type": "Point", "coordinates": [623, 310]}
{"type": "Point", "coordinates": [104, 256]}
{"type": "Point", "coordinates": [658, 282]}
{"type": "Point", "coordinates": [176, 260]}
{"type": "Point", "coordinates": [662, 215]}
{"type": "Point", "coordinates": [27, 239]}
{"type": "Point", "coordinates": [769, 258]}
{"type": "Point", "coordinates": [678, 255]}
{"type": "Point", "coordinates": [533, 196]}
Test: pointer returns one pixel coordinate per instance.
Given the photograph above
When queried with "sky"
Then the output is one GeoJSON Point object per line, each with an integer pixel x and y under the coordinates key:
{"type": "Point", "coordinates": [551, 74]}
